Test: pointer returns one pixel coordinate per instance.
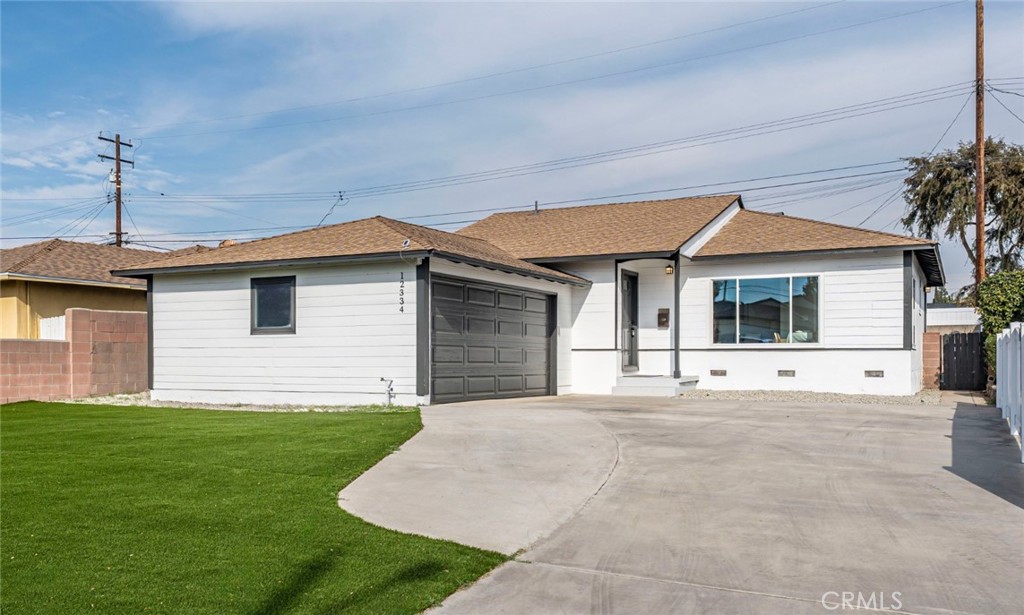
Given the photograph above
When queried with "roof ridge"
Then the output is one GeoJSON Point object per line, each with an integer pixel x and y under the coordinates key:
{"type": "Point", "coordinates": [403, 227]}
{"type": "Point", "coordinates": [678, 198]}
{"type": "Point", "coordinates": [843, 226]}
{"type": "Point", "coordinates": [44, 247]}
{"type": "Point", "coordinates": [446, 233]}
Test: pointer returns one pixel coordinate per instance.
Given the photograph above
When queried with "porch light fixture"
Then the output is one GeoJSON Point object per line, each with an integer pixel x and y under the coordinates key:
{"type": "Point", "coordinates": [669, 269]}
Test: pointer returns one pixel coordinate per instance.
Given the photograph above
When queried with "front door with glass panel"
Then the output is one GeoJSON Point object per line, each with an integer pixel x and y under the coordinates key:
{"type": "Point", "coordinates": [630, 322]}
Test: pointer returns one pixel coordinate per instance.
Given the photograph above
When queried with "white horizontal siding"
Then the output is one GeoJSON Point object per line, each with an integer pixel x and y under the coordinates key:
{"type": "Point", "coordinates": [861, 296]}
{"type": "Point", "coordinates": [824, 370]}
{"type": "Point", "coordinates": [349, 334]}
{"type": "Point", "coordinates": [594, 306]}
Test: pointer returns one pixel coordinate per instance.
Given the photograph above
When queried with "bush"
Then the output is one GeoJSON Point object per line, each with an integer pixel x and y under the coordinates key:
{"type": "Point", "coordinates": [1000, 302]}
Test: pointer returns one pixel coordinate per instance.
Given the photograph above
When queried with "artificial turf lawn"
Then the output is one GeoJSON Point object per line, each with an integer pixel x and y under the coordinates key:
{"type": "Point", "coordinates": [129, 510]}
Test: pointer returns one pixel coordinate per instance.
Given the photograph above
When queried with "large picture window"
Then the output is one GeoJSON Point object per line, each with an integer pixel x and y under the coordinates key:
{"type": "Point", "coordinates": [765, 310]}
{"type": "Point", "coordinates": [273, 305]}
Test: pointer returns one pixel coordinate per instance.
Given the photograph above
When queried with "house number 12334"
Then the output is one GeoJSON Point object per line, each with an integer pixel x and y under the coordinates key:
{"type": "Point", "coordinates": [401, 291]}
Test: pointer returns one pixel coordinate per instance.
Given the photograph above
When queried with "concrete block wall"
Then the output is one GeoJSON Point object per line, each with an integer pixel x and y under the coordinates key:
{"type": "Point", "coordinates": [931, 372]}
{"type": "Point", "coordinates": [33, 369]}
{"type": "Point", "coordinates": [109, 351]}
{"type": "Point", "coordinates": [103, 352]}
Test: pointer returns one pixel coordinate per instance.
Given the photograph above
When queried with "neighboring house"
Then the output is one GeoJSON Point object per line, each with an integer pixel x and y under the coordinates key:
{"type": "Point", "coordinates": [625, 298]}
{"type": "Point", "coordinates": [39, 281]}
{"type": "Point", "coordinates": [951, 318]}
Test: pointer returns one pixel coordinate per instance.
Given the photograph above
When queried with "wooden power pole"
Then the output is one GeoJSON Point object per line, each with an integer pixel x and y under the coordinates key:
{"type": "Point", "coordinates": [979, 172]}
{"type": "Point", "coordinates": [118, 235]}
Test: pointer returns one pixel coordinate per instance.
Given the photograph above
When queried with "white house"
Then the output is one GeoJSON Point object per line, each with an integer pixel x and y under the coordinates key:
{"type": "Point", "coordinates": [635, 298]}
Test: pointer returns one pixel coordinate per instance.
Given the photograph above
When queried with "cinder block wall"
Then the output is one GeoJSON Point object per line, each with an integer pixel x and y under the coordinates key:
{"type": "Point", "coordinates": [932, 360]}
{"type": "Point", "coordinates": [108, 351]}
{"type": "Point", "coordinates": [33, 369]}
{"type": "Point", "coordinates": [104, 352]}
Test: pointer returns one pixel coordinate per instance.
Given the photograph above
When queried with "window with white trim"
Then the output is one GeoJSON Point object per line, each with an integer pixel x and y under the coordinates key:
{"type": "Point", "coordinates": [779, 310]}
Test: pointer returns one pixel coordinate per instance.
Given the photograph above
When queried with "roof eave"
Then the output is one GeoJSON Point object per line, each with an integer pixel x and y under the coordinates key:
{"type": "Point", "coordinates": [931, 264]}
{"type": "Point", "coordinates": [552, 277]}
{"type": "Point", "coordinates": [5, 276]}
{"type": "Point", "coordinates": [291, 262]}
{"type": "Point", "coordinates": [782, 254]}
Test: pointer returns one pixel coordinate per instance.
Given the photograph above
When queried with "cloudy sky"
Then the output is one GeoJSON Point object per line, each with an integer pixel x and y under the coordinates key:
{"type": "Point", "coordinates": [249, 119]}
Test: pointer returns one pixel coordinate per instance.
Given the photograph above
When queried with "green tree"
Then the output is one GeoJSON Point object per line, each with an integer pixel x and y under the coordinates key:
{"type": "Point", "coordinates": [940, 200]}
{"type": "Point", "coordinates": [1000, 302]}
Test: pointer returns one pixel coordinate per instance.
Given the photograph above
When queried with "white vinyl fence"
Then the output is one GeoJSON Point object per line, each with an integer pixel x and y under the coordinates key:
{"type": "Point", "coordinates": [1010, 379]}
{"type": "Point", "coordinates": [51, 328]}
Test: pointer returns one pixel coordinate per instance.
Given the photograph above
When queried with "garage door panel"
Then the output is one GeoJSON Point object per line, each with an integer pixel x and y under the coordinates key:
{"type": "Point", "coordinates": [480, 296]}
{"type": "Point", "coordinates": [489, 341]}
{"type": "Point", "coordinates": [480, 326]}
{"type": "Point", "coordinates": [450, 292]}
{"type": "Point", "coordinates": [536, 382]}
{"type": "Point", "coordinates": [479, 354]}
{"type": "Point", "coordinates": [449, 354]}
{"type": "Point", "coordinates": [481, 385]}
{"type": "Point", "coordinates": [510, 384]}
{"type": "Point", "coordinates": [510, 328]}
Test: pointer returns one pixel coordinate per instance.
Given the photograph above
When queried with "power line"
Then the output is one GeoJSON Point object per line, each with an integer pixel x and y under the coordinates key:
{"type": "Point", "coordinates": [560, 83]}
{"type": "Point", "coordinates": [1003, 105]}
{"type": "Point", "coordinates": [153, 236]}
{"type": "Point", "coordinates": [494, 74]}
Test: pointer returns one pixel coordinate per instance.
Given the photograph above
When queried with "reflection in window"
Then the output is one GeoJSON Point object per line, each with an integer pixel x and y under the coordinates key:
{"type": "Point", "coordinates": [805, 309]}
{"type": "Point", "coordinates": [725, 311]}
{"type": "Point", "coordinates": [766, 310]}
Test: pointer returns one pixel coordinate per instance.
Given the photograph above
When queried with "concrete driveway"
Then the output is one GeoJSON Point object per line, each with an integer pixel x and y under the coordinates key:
{"type": "Point", "coordinates": [619, 505]}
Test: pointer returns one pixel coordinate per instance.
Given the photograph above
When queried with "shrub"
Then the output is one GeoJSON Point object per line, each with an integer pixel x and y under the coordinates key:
{"type": "Point", "coordinates": [1000, 302]}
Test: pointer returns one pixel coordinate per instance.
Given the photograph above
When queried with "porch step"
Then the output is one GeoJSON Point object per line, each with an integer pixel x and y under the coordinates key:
{"type": "Point", "coordinates": [653, 386]}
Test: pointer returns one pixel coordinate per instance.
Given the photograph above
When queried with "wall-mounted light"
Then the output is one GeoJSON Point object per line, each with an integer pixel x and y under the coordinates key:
{"type": "Point", "coordinates": [669, 269]}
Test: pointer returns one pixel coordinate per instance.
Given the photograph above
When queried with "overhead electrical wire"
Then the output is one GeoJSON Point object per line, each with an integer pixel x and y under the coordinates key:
{"type": "Point", "coordinates": [492, 75]}
{"type": "Point", "coordinates": [1003, 105]}
{"type": "Point", "coordinates": [591, 78]}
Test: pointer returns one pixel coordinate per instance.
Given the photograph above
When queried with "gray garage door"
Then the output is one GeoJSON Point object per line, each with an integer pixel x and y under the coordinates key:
{"type": "Point", "coordinates": [489, 341]}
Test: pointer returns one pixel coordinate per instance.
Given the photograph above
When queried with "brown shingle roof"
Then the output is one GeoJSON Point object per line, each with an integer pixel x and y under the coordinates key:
{"type": "Point", "coordinates": [371, 236]}
{"type": "Point", "coordinates": [753, 232]}
{"type": "Point", "coordinates": [593, 230]}
{"type": "Point", "coordinates": [88, 262]}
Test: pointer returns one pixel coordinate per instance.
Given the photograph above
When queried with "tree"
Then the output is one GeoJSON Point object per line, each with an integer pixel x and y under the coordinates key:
{"type": "Point", "coordinates": [940, 200]}
{"type": "Point", "coordinates": [1000, 302]}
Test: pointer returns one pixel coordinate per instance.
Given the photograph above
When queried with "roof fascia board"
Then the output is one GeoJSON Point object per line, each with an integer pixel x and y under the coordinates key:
{"type": "Point", "coordinates": [601, 257]}
{"type": "Point", "coordinates": [552, 277]}
{"type": "Point", "coordinates": [879, 249]}
{"type": "Point", "coordinates": [73, 281]}
{"type": "Point", "coordinates": [693, 245]}
{"type": "Point", "coordinates": [292, 262]}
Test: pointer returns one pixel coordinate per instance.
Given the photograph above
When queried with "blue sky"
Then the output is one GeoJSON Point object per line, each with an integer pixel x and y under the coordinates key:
{"type": "Point", "coordinates": [243, 118]}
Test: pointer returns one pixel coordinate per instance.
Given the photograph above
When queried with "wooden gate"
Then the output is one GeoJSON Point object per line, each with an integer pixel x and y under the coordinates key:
{"type": "Point", "coordinates": [963, 368]}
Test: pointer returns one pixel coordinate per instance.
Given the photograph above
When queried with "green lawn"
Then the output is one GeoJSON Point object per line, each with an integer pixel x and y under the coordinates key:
{"type": "Point", "coordinates": [131, 510]}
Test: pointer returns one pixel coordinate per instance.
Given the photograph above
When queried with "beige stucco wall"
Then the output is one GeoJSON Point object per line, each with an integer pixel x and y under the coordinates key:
{"type": "Point", "coordinates": [23, 303]}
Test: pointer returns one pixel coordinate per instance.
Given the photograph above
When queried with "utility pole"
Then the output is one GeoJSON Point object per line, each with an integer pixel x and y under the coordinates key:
{"type": "Point", "coordinates": [117, 180]}
{"type": "Point", "coordinates": [979, 168]}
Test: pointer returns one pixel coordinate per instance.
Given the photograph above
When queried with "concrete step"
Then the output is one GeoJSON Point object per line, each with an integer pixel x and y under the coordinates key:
{"type": "Point", "coordinates": [653, 386]}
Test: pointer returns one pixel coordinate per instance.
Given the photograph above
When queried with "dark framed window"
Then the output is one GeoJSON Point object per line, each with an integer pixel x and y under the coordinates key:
{"type": "Point", "coordinates": [781, 310]}
{"type": "Point", "coordinates": [273, 305]}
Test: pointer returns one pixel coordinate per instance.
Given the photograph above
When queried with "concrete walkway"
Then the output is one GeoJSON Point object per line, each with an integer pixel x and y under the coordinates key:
{"type": "Point", "coordinates": [717, 507]}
